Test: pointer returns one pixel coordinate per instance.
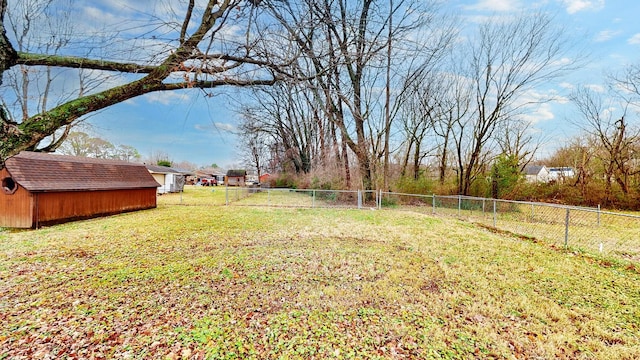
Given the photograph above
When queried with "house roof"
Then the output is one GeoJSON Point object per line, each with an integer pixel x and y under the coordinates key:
{"type": "Point", "coordinates": [157, 169]}
{"type": "Point", "coordinates": [185, 172]}
{"type": "Point", "coordinates": [533, 169]}
{"type": "Point", "coordinates": [42, 172]}
{"type": "Point", "coordinates": [561, 169]}
{"type": "Point", "coordinates": [236, 173]}
{"type": "Point", "coordinates": [210, 172]}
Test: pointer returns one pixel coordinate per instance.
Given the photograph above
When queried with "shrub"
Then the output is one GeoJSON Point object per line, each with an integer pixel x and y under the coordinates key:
{"type": "Point", "coordinates": [409, 185]}
{"type": "Point", "coordinates": [283, 180]}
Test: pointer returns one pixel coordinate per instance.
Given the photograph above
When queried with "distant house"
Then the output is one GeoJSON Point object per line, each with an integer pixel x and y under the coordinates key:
{"type": "Point", "coordinates": [252, 178]}
{"type": "Point", "coordinates": [561, 173]}
{"type": "Point", "coordinates": [236, 177]}
{"type": "Point", "coordinates": [209, 173]}
{"type": "Point", "coordinates": [170, 180]}
{"type": "Point", "coordinates": [264, 178]}
{"type": "Point", "coordinates": [541, 173]}
{"type": "Point", "coordinates": [536, 173]}
{"type": "Point", "coordinates": [41, 189]}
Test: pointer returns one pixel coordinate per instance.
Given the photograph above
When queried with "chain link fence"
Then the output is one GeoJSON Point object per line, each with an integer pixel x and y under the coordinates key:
{"type": "Point", "coordinates": [584, 229]}
{"type": "Point", "coordinates": [276, 197]}
{"type": "Point", "coordinates": [310, 198]}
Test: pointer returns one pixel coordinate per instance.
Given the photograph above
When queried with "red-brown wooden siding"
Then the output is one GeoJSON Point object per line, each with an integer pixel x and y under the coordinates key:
{"type": "Point", "coordinates": [15, 209]}
{"type": "Point", "coordinates": [56, 207]}
{"type": "Point", "coordinates": [57, 188]}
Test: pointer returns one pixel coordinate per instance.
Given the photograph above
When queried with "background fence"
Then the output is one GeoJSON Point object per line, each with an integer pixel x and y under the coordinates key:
{"type": "Point", "coordinates": [583, 229]}
{"type": "Point", "coordinates": [313, 198]}
{"type": "Point", "coordinates": [590, 230]}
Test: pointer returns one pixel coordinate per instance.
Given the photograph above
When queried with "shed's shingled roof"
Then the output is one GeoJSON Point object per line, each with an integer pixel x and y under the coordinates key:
{"type": "Point", "coordinates": [40, 172]}
{"type": "Point", "coordinates": [236, 173]}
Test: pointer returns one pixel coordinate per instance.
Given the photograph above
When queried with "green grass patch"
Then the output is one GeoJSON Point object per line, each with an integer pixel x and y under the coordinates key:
{"type": "Point", "coordinates": [203, 281]}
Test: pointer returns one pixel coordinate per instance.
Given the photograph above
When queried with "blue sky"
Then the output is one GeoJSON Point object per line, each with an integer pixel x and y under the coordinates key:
{"type": "Point", "coordinates": [190, 127]}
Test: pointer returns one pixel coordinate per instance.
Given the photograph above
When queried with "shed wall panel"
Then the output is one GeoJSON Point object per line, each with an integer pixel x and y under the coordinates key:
{"type": "Point", "coordinates": [64, 206]}
{"type": "Point", "coordinates": [15, 209]}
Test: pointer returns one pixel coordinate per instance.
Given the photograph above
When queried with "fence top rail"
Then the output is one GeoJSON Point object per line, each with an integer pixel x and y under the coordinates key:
{"type": "Point", "coordinates": [462, 197]}
{"type": "Point", "coordinates": [560, 206]}
{"type": "Point", "coordinates": [310, 190]}
{"type": "Point", "coordinates": [631, 216]}
{"type": "Point", "coordinates": [404, 194]}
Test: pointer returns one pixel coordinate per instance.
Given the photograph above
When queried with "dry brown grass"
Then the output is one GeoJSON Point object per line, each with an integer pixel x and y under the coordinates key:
{"type": "Point", "coordinates": [244, 282]}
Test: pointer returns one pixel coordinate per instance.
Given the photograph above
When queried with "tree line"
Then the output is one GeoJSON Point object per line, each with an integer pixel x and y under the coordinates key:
{"type": "Point", "coordinates": [371, 93]}
{"type": "Point", "coordinates": [79, 143]}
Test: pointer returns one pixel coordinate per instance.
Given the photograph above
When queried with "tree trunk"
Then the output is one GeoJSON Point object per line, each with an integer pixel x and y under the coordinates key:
{"type": "Point", "coordinates": [345, 160]}
{"type": "Point", "coordinates": [416, 162]}
{"type": "Point", "coordinates": [407, 154]}
{"type": "Point", "coordinates": [8, 55]}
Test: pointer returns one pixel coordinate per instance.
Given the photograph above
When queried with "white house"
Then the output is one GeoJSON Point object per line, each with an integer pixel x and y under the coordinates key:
{"type": "Point", "coordinates": [541, 173]}
{"type": "Point", "coordinates": [170, 180]}
{"type": "Point", "coordinates": [536, 173]}
{"type": "Point", "coordinates": [561, 173]}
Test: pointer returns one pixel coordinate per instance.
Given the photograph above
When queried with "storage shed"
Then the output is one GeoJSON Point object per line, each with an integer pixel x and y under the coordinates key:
{"type": "Point", "coordinates": [42, 189]}
{"type": "Point", "coordinates": [236, 178]}
{"type": "Point", "coordinates": [170, 180]}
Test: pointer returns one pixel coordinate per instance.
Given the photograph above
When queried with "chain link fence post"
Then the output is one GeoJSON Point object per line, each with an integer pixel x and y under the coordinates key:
{"type": "Point", "coordinates": [459, 205]}
{"type": "Point", "coordinates": [494, 213]}
{"type": "Point", "coordinates": [433, 205]}
{"type": "Point", "coordinates": [532, 212]}
{"type": "Point", "coordinates": [566, 229]}
{"type": "Point", "coordinates": [483, 201]}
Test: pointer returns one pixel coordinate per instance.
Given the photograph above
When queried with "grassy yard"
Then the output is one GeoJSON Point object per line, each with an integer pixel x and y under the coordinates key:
{"type": "Point", "coordinates": [248, 282]}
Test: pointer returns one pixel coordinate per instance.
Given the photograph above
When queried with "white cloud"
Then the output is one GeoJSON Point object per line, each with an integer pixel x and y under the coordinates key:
{"type": "Point", "coordinates": [216, 127]}
{"type": "Point", "coordinates": [634, 40]}
{"type": "Point", "coordinates": [167, 97]}
{"type": "Point", "coordinates": [225, 127]}
{"type": "Point", "coordinates": [495, 5]}
{"type": "Point", "coordinates": [609, 112]}
{"type": "Point", "coordinates": [606, 35]}
{"type": "Point", "coordinates": [566, 85]}
{"type": "Point", "coordinates": [537, 106]}
{"type": "Point", "coordinates": [596, 88]}
{"type": "Point", "coordinates": [542, 112]}
{"type": "Point", "coordinates": [574, 6]}
{"type": "Point", "coordinates": [562, 62]}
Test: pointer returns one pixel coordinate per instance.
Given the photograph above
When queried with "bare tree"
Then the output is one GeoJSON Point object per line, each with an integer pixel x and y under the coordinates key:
{"type": "Point", "coordinates": [421, 115]}
{"type": "Point", "coordinates": [255, 146]}
{"type": "Point", "coordinates": [616, 136]}
{"type": "Point", "coordinates": [192, 52]}
{"type": "Point", "coordinates": [79, 143]}
{"type": "Point", "coordinates": [354, 49]}
{"type": "Point", "coordinates": [289, 119]}
{"type": "Point", "coordinates": [520, 141]}
{"type": "Point", "coordinates": [508, 58]}
{"type": "Point", "coordinates": [127, 153]}
{"type": "Point", "coordinates": [628, 81]}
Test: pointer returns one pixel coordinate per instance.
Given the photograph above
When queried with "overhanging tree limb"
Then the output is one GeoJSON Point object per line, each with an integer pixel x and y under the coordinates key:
{"type": "Point", "coordinates": [186, 59]}
{"type": "Point", "coordinates": [80, 63]}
